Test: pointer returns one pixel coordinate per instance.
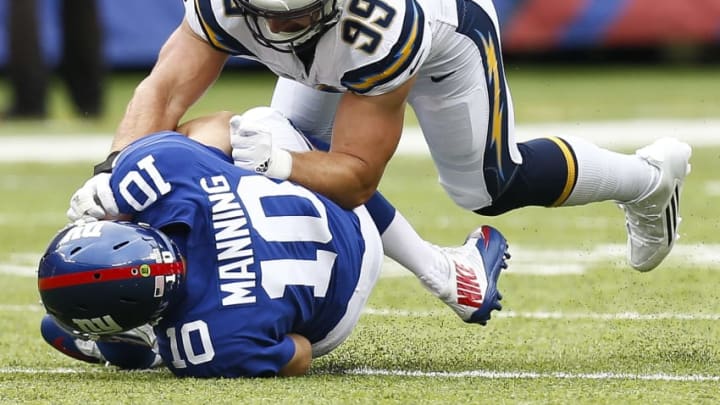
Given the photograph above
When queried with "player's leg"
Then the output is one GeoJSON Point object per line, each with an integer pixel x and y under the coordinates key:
{"type": "Point", "coordinates": [463, 277]}
{"type": "Point", "coordinates": [67, 344]}
{"type": "Point", "coordinates": [470, 132]}
{"type": "Point", "coordinates": [653, 218]}
{"type": "Point", "coordinates": [134, 349]}
{"type": "Point", "coordinates": [567, 171]}
{"type": "Point", "coordinates": [369, 272]}
{"type": "Point", "coordinates": [570, 171]}
{"type": "Point", "coordinates": [467, 117]}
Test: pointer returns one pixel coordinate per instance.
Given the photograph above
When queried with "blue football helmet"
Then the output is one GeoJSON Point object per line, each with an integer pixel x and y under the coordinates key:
{"type": "Point", "coordinates": [303, 21]}
{"type": "Point", "coordinates": [105, 277]}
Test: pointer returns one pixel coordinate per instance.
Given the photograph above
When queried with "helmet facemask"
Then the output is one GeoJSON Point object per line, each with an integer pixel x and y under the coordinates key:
{"type": "Point", "coordinates": [305, 20]}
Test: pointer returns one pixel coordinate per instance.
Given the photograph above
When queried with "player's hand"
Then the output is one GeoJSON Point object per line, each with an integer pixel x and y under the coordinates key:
{"type": "Point", "coordinates": [251, 141]}
{"type": "Point", "coordinates": [94, 199]}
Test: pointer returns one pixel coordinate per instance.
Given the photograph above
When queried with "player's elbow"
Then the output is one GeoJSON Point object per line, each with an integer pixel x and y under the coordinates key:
{"type": "Point", "coordinates": [299, 365]}
{"type": "Point", "coordinates": [298, 368]}
{"type": "Point", "coordinates": [356, 197]}
{"type": "Point", "coordinates": [362, 184]}
{"type": "Point", "coordinates": [353, 192]}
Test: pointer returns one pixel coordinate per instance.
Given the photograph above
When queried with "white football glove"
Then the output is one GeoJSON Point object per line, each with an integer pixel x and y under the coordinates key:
{"type": "Point", "coordinates": [251, 140]}
{"type": "Point", "coordinates": [94, 198]}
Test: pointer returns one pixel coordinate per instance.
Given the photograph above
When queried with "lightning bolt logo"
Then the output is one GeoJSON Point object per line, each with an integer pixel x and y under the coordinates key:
{"type": "Point", "coordinates": [493, 73]}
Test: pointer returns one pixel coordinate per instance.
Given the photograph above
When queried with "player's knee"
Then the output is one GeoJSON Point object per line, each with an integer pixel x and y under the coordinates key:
{"type": "Point", "coordinates": [492, 211]}
{"type": "Point", "coordinates": [543, 179]}
{"type": "Point", "coordinates": [508, 201]}
{"type": "Point", "coordinates": [469, 198]}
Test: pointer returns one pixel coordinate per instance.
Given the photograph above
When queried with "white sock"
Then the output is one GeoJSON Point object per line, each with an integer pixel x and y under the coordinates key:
{"type": "Point", "coordinates": [403, 244]}
{"type": "Point", "coordinates": [606, 175]}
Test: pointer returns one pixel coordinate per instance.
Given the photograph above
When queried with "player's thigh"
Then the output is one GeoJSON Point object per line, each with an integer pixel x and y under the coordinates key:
{"type": "Point", "coordinates": [467, 121]}
{"type": "Point", "coordinates": [369, 273]}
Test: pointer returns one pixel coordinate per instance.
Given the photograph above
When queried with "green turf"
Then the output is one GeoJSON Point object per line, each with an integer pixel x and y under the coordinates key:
{"type": "Point", "coordinates": [423, 336]}
{"type": "Point", "coordinates": [585, 354]}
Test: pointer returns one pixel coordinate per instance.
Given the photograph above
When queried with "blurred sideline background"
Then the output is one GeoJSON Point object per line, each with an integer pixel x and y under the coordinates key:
{"type": "Point", "coordinates": [557, 30]}
{"type": "Point", "coordinates": [566, 60]}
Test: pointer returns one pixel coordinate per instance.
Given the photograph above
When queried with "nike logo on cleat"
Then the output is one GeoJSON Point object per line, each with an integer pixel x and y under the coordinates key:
{"type": "Point", "coordinates": [438, 79]}
{"type": "Point", "coordinates": [468, 289]}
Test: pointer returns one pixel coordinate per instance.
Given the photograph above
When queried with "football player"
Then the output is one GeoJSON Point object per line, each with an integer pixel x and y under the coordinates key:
{"type": "Point", "coordinates": [347, 69]}
{"type": "Point", "coordinates": [240, 274]}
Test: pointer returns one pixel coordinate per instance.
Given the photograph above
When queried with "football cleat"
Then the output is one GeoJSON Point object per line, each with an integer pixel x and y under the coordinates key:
{"type": "Point", "coordinates": [132, 349]}
{"type": "Point", "coordinates": [474, 270]}
{"type": "Point", "coordinates": [68, 344]}
{"type": "Point", "coordinates": [652, 221]}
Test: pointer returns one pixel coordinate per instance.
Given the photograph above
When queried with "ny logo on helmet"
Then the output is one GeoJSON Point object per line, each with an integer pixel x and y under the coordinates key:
{"type": "Point", "coordinates": [89, 230]}
{"type": "Point", "coordinates": [100, 326]}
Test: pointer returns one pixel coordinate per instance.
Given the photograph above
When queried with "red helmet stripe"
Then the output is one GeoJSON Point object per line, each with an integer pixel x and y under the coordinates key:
{"type": "Point", "coordinates": [110, 274]}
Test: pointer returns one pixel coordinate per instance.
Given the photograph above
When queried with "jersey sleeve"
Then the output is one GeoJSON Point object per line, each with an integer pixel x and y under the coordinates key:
{"type": "Point", "coordinates": [202, 18]}
{"type": "Point", "coordinates": [151, 179]}
{"type": "Point", "coordinates": [389, 41]}
{"type": "Point", "coordinates": [260, 359]}
{"type": "Point", "coordinates": [193, 20]}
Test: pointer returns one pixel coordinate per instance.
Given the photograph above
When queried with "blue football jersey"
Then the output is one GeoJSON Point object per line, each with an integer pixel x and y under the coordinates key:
{"type": "Point", "coordinates": [264, 257]}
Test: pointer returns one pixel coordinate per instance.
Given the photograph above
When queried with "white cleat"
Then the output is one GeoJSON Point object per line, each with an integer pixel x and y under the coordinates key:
{"type": "Point", "coordinates": [652, 221]}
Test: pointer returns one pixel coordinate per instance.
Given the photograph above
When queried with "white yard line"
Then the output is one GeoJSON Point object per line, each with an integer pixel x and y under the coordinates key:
{"type": "Point", "coordinates": [525, 375]}
{"type": "Point", "coordinates": [563, 316]}
{"type": "Point", "coordinates": [66, 370]}
{"type": "Point", "coordinates": [613, 134]}
{"type": "Point", "coordinates": [488, 374]}
{"type": "Point", "coordinates": [537, 315]}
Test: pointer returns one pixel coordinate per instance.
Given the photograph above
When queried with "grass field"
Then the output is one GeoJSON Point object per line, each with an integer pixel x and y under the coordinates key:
{"type": "Point", "coordinates": [578, 326]}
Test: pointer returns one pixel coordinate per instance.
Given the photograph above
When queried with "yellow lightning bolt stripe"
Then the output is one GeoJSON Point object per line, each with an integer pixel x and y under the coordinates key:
{"type": "Point", "coordinates": [571, 170]}
{"type": "Point", "coordinates": [210, 33]}
{"type": "Point", "coordinates": [406, 51]}
{"type": "Point", "coordinates": [493, 73]}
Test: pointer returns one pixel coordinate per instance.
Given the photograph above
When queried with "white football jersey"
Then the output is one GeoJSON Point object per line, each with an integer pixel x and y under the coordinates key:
{"type": "Point", "coordinates": [451, 47]}
{"type": "Point", "coordinates": [375, 46]}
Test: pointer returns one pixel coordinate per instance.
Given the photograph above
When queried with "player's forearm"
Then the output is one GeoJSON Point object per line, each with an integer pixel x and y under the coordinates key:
{"type": "Point", "coordinates": [345, 179]}
{"type": "Point", "coordinates": [366, 133]}
{"type": "Point", "coordinates": [186, 67]}
{"type": "Point", "coordinates": [150, 110]}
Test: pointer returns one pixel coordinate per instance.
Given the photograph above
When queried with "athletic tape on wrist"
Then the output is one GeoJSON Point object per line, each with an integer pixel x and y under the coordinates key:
{"type": "Point", "coordinates": [280, 165]}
